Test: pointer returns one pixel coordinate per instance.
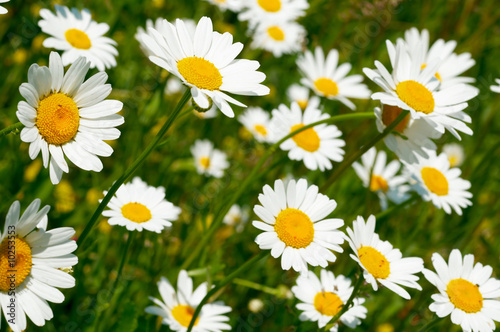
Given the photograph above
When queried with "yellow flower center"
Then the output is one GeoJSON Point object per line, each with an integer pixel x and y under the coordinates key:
{"type": "Point", "coordinates": [78, 39]}
{"type": "Point", "coordinates": [374, 262]}
{"type": "Point", "coordinates": [390, 113]}
{"type": "Point", "coordinates": [276, 33]}
{"type": "Point", "coordinates": [302, 103]}
{"type": "Point", "coordinates": [136, 212]}
{"type": "Point", "coordinates": [294, 228]}
{"type": "Point", "coordinates": [326, 86]}
{"type": "Point", "coordinates": [465, 295]}
{"type": "Point", "coordinates": [307, 139]}
{"type": "Point", "coordinates": [57, 119]}
{"type": "Point", "coordinates": [435, 181]}
{"type": "Point", "coordinates": [435, 75]}
{"type": "Point", "coordinates": [260, 129]}
{"type": "Point", "coordinates": [327, 303]}
{"type": "Point", "coordinates": [201, 73]}
{"type": "Point", "coordinates": [183, 314]}
{"type": "Point", "coordinates": [15, 262]}
{"type": "Point", "coordinates": [205, 162]}
{"type": "Point", "coordinates": [378, 183]}
{"type": "Point", "coordinates": [453, 160]}
{"type": "Point", "coordinates": [271, 6]}
{"type": "Point", "coordinates": [416, 96]}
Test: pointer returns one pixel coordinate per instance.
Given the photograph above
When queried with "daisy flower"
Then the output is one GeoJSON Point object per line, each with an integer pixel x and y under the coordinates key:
{"type": "Point", "coordinates": [327, 79]}
{"type": "Point", "coordinates": [209, 161]}
{"type": "Point", "coordinates": [138, 206]}
{"type": "Point", "coordinates": [413, 135]}
{"type": "Point", "coordinates": [279, 37]}
{"type": "Point", "coordinates": [416, 90]}
{"type": "Point", "coordinates": [3, 10]}
{"type": "Point", "coordinates": [30, 280]}
{"type": "Point", "coordinates": [455, 153]}
{"type": "Point", "coordinates": [257, 121]}
{"type": "Point", "coordinates": [466, 292]}
{"type": "Point", "coordinates": [496, 88]}
{"type": "Point", "coordinates": [232, 5]}
{"type": "Point", "coordinates": [322, 298]}
{"type": "Point", "coordinates": [177, 307]}
{"type": "Point", "coordinates": [435, 181]}
{"type": "Point", "coordinates": [65, 116]}
{"type": "Point", "coordinates": [295, 227]}
{"type": "Point", "coordinates": [316, 146]}
{"type": "Point", "coordinates": [78, 35]}
{"type": "Point", "coordinates": [237, 217]}
{"type": "Point", "coordinates": [380, 261]}
{"type": "Point", "coordinates": [299, 94]}
{"type": "Point", "coordinates": [205, 62]}
{"type": "Point", "coordinates": [381, 178]}
{"type": "Point", "coordinates": [451, 66]}
{"type": "Point", "coordinates": [257, 11]}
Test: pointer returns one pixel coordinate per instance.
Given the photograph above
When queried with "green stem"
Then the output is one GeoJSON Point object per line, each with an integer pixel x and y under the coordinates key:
{"type": "Point", "coordinates": [390, 210]}
{"type": "Point", "coordinates": [430, 324]}
{"type": "Point", "coordinates": [223, 283]}
{"type": "Point", "coordinates": [256, 286]}
{"type": "Point", "coordinates": [11, 128]}
{"type": "Point", "coordinates": [347, 305]}
{"type": "Point", "coordinates": [234, 197]}
{"type": "Point", "coordinates": [133, 167]}
{"type": "Point", "coordinates": [349, 161]}
{"type": "Point", "coordinates": [131, 236]}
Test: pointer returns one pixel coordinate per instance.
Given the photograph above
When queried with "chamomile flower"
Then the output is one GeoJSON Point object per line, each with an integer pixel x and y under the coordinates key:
{"type": "Point", "coordinates": [413, 135]}
{"type": "Point", "coordinates": [279, 37]}
{"type": "Point", "coordinates": [3, 10]}
{"type": "Point", "coordinates": [416, 90]}
{"type": "Point", "coordinates": [298, 94]}
{"type": "Point", "coordinates": [65, 116]}
{"type": "Point", "coordinates": [209, 161]}
{"type": "Point", "coordinates": [232, 5]}
{"type": "Point", "coordinates": [237, 217]}
{"type": "Point", "coordinates": [455, 153]}
{"type": "Point", "coordinates": [138, 206]}
{"type": "Point", "coordinates": [257, 11]}
{"type": "Point", "coordinates": [322, 298]}
{"type": "Point", "coordinates": [205, 62]}
{"type": "Point", "coordinates": [496, 88]}
{"type": "Point", "coordinates": [466, 292]}
{"type": "Point", "coordinates": [294, 225]}
{"type": "Point", "coordinates": [76, 34]}
{"type": "Point", "coordinates": [177, 307]}
{"type": "Point", "coordinates": [451, 66]}
{"type": "Point", "coordinates": [327, 79]}
{"type": "Point", "coordinates": [257, 121]}
{"type": "Point", "coordinates": [381, 178]}
{"type": "Point", "coordinates": [435, 181]}
{"type": "Point", "coordinates": [380, 261]}
{"type": "Point", "coordinates": [31, 279]}
{"type": "Point", "coordinates": [316, 146]}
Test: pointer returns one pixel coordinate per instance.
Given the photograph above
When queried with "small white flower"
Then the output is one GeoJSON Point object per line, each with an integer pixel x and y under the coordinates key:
{"type": "Point", "coordinates": [455, 153]}
{"type": "Point", "coordinates": [209, 161]}
{"type": "Point", "coordinates": [257, 121]}
{"type": "Point", "coordinates": [236, 217]}
{"type": "Point", "coordinates": [279, 37]}
{"type": "Point", "coordinates": [299, 94]}
{"type": "Point", "coordinates": [257, 11]}
{"type": "Point", "coordinates": [232, 5]}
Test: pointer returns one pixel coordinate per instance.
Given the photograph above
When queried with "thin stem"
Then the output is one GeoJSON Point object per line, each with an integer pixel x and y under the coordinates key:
{"type": "Point", "coordinates": [387, 212]}
{"type": "Point", "coordinates": [131, 236]}
{"type": "Point", "coordinates": [347, 305]}
{"type": "Point", "coordinates": [234, 197]}
{"type": "Point", "coordinates": [223, 283]}
{"type": "Point", "coordinates": [430, 324]}
{"type": "Point", "coordinates": [349, 161]}
{"type": "Point", "coordinates": [11, 128]}
{"type": "Point", "coordinates": [256, 286]}
{"type": "Point", "coordinates": [133, 167]}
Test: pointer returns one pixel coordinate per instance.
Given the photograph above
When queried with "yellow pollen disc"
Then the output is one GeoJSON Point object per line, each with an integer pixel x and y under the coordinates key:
{"type": "Point", "coordinates": [416, 96]}
{"type": "Point", "coordinates": [302, 103]}
{"type": "Point", "coordinates": [15, 255]}
{"type": "Point", "coordinates": [276, 33]}
{"type": "Point", "coordinates": [435, 75]}
{"type": "Point", "coordinates": [307, 139]}
{"type": "Point", "coordinates": [390, 113]}
{"type": "Point", "coordinates": [374, 262]}
{"type": "Point", "coordinates": [78, 39]}
{"type": "Point", "coordinates": [57, 119]}
{"type": "Point", "coordinates": [136, 212]}
{"type": "Point", "coordinates": [326, 86]}
{"type": "Point", "coordinates": [271, 6]}
{"type": "Point", "coordinates": [201, 73]}
{"type": "Point", "coordinates": [205, 162]}
{"type": "Point", "coordinates": [183, 314]}
{"type": "Point", "coordinates": [453, 161]}
{"type": "Point", "coordinates": [435, 181]}
{"type": "Point", "coordinates": [465, 295]}
{"type": "Point", "coordinates": [294, 228]}
{"type": "Point", "coordinates": [327, 303]}
{"type": "Point", "coordinates": [378, 183]}
{"type": "Point", "coordinates": [260, 129]}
